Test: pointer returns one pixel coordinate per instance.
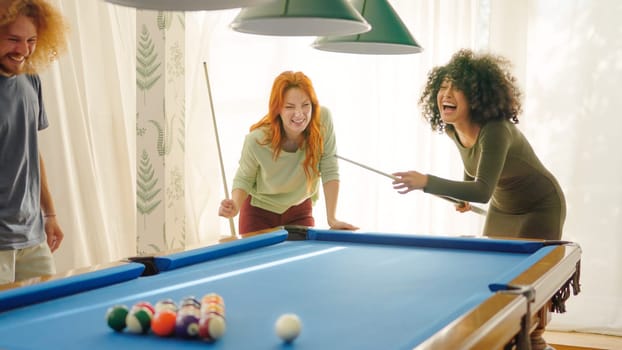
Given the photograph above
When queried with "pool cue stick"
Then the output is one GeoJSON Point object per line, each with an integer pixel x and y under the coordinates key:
{"type": "Point", "coordinates": [475, 209]}
{"type": "Point", "coordinates": [222, 166]}
{"type": "Point", "coordinates": [367, 167]}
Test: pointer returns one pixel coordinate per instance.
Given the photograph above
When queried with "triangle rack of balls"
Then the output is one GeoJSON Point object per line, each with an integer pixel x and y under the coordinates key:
{"type": "Point", "coordinates": [192, 319]}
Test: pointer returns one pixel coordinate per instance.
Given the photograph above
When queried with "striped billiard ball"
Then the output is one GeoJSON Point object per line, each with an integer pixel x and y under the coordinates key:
{"type": "Point", "coordinates": [212, 327]}
{"type": "Point", "coordinates": [138, 320]}
{"type": "Point", "coordinates": [187, 325]}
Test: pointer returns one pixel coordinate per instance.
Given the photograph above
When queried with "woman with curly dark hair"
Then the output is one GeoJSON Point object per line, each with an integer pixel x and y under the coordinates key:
{"type": "Point", "coordinates": [475, 101]}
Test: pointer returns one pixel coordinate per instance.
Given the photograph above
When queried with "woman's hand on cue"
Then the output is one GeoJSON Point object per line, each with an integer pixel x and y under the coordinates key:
{"type": "Point", "coordinates": [407, 181]}
{"type": "Point", "coordinates": [463, 207]}
{"type": "Point", "coordinates": [228, 209]}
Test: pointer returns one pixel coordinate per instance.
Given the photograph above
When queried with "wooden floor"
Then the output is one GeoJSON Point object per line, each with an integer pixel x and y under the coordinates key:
{"type": "Point", "coordinates": [582, 341]}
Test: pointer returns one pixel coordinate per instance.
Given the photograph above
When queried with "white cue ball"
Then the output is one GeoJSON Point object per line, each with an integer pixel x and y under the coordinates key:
{"type": "Point", "coordinates": [288, 327]}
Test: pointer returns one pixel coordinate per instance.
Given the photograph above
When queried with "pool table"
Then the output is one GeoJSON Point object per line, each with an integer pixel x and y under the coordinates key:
{"type": "Point", "coordinates": [352, 290]}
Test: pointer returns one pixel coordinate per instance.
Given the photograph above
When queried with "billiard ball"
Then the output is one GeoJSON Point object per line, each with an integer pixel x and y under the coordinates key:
{"type": "Point", "coordinates": [189, 305]}
{"type": "Point", "coordinates": [288, 327]}
{"type": "Point", "coordinates": [115, 317]}
{"type": "Point", "coordinates": [138, 320]}
{"type": "Point", "coordinates": [145, 305]}
{"type": "Point", "coordinates": [212, 309]}
{"type": "Point", "coordinates": [163, 323]}
{"type": "Point", "coordinates": [190, 301]}
{"type": "Point", "coordinates": [187, 325]}
{"type": "Point", "coordinates": [167, 304]}
{"type": "Point", "coordinates": [212, 327]}
{"type": "Point", "coordinates": [189, 310]}
{"type": "Point", "coordinates": [212, 298]}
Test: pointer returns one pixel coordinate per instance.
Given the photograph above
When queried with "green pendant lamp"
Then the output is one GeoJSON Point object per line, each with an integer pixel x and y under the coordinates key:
{"type": "Point", "coordinates": [301, 18]}
{"type": "Point", "coordinates": [187, 5]}
{"type": "Point", "coordinates": [389, 35]}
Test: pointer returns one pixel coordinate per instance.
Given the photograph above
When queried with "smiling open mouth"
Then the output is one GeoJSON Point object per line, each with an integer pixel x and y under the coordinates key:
{"type": "Point", "coordinates": [449, 107]}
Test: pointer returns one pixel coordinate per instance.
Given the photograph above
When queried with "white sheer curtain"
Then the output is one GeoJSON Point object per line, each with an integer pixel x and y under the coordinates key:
{"type": "Point", "coordinates": [89, 147]}
{"type": "Point", "coordinates": [567, 56]}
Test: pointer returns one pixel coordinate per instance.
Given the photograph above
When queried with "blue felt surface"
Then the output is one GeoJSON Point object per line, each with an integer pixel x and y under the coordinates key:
{"type": "Point", "coordinates": [348, 295]}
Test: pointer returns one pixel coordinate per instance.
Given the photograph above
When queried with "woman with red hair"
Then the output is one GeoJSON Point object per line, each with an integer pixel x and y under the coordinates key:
{"type": "Point", "coordinates": [284, 157]}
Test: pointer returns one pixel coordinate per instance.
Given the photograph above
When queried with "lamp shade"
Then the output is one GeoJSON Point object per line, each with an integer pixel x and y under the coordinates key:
{"type": "Point", "coordinates": [301, 18]}
{"type": "Point", "coordinates": [388, 36]}
{"type": "Point", "coordinates": [187, 5]}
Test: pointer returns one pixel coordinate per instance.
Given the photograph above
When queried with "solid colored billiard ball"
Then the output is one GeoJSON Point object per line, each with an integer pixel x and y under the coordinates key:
{"type": "Point", "coordinates": [212, 327]}
{"type": "Point", "coordinates": [288, 327]}
{"type": "Point", "coordinates": [115, 317]}
{"type": "Point", "coordinates": [138, 320]}
{"type": "Point", "coordinates": [163, 323]}
{"type": "Point", "coordinates": [187, 325]}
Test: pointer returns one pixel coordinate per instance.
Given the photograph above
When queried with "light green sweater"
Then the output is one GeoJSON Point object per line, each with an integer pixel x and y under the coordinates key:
{"type": "Point", "coordinates": [277, 184]}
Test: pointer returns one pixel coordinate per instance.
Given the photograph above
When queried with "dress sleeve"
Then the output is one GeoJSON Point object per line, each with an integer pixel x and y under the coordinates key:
{"type": "Point", "coordinates": [493, 145]}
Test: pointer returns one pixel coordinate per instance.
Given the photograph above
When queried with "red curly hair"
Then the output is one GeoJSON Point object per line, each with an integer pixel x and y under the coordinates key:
{"type": "Point", "coordinates": [313, 140]}
{"type": "Point", "coordinates": [51, 29]}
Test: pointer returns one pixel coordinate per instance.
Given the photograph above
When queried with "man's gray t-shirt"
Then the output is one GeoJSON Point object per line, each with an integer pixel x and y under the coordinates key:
{"type": "Point", "coordinates": [22, 115]}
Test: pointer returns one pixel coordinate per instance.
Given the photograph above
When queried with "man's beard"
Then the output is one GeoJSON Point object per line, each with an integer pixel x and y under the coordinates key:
{"type": "Point", "coordinates": [14, 69]}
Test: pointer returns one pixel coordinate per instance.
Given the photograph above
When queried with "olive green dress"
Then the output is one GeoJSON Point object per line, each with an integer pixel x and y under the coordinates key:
{"type": "Point", "coordinates": [526, 200]}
